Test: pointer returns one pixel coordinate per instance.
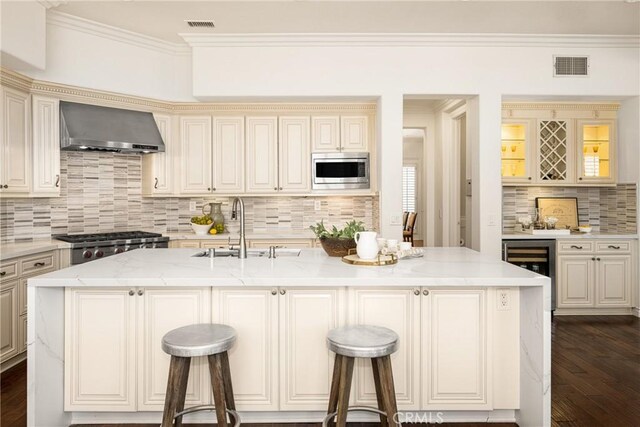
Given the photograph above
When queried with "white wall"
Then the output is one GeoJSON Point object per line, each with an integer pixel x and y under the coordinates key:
{"type": "Point", "coordinates": [96, 57]}
{"type": "Point", "coordinates": [22, 35]}
{"type": "Point", "coordinates": [489, 72]}
{"type": "Point", "coordinates": [628, 140]}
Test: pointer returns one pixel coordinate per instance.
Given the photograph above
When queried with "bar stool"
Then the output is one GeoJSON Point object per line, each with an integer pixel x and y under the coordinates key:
{"type": "Point", "coordinates": [369, 342]}
{"type": "Point", "coordinates": [213, 341]}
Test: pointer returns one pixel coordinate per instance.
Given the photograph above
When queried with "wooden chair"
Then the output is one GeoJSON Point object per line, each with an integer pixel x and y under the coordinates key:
{"type": "Point", "coordinates": [407, 233]}
{"type": "Point", "coordinates": [405, 217]}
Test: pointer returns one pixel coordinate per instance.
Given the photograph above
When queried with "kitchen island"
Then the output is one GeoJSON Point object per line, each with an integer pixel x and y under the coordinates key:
{"type": "Point", "coordinates": [474, 335]}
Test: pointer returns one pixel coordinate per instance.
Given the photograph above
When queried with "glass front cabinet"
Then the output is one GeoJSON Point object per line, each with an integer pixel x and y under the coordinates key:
{"type": "Point", "coordinates": [564, 147]}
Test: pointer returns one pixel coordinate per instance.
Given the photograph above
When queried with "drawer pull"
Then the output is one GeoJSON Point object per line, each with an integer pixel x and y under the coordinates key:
{"type": "Point", "coordinates": [3, 273]}
{"type": "Point", "coordinates": [614, 247]}
{"type": "Point", "coordinates": [576, 247]}
{"type": "Point", "coordinates": [38, 264]}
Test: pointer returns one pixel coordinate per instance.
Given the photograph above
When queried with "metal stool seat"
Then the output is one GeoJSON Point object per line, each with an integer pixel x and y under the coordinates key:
{"type": "Point", "coordinates": [363, 341]}
{"type": "Point", "coordinates": [212, 341]}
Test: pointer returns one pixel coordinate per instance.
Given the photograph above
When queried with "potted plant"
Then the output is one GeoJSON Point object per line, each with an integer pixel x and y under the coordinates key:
{"type": "Point", "coordinates": [337, 242]}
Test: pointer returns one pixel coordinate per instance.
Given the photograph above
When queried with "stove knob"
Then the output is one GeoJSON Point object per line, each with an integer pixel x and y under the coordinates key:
{"type": "Point", "coordinates": [99, 254]}
{"type": "Point", "coordinates": [87, 254]}
{"type": "Point", "coordinates": [118, 250]}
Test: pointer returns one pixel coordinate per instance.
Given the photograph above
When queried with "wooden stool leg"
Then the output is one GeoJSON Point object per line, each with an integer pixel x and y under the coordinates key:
{"type": "Point", "coordinates": [335, 386]}
{"type": "Point", "coordinates": [376, 380]}
{"type": "Point", "coordinates": [346, 375]}
{"type": "Point", "coordinates": [178, 375]}
{"type": "Point", "coordinates": [388, 389]}
{"type": "Point", "coordinates": [228, 386]}
{"type": "Point", "coordinates": [217, 384]}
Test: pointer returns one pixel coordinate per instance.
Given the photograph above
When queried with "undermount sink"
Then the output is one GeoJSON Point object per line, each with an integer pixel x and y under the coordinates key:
{"type": "Point", "coordinates": [251, 253]}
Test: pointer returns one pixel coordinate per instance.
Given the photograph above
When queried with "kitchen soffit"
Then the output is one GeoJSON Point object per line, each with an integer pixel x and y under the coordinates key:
{"type": "Point", "coordinates": [165, 20]}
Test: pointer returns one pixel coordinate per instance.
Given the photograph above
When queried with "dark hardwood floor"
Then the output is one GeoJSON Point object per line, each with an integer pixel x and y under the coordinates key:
{"type": "Point", "coordinates": [595, 377]}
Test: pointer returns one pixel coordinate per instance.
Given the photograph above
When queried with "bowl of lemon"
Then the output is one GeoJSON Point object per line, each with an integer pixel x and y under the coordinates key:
{"type": "Point", "coordinates": [201, 224]}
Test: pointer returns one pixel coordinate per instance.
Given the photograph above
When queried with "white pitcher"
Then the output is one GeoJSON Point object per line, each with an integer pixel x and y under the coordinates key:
{"type": "Point", "coordinates": [367, 244]}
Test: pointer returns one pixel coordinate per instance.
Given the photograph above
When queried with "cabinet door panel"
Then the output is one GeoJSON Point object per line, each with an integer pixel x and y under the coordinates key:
{"type": "Point", "coordinates": [614, 281]}
{"type": "Point", "coordinates": [195, 138]}
{"type": "Point", "coordinates": [8, 315]}
{"type": "Point", "coordinates": [161, 310]}
{"type": "Point", "coordinates": [518, 150]}
{"type": "Point", "coordinates": [306, 316]}
{"type": "Point", "coordinates": [325, 133]}
{"type": "Point", "coordinates": [398, 310]}
{"type": "Point", "coordinates": [355, 133]}
{"type": "Point", "coordinates": [455, 350]}
{"type": "Point", "coordinates": [16, 162]}
{"type": "Point", "coordinates": [576, 281]}
{"type": "Point", "coordinates": [228, 154]}
{"type": "Point", "coordinates": [100, 364]}
{"type": "Point", "coordinates": [159, 176]}
{"type": "Point", "coordinates": [46, 146]}
{"type": "Point", "coordinates": [262, 154]}
{"type": "Point", "coordinates": [295, 158]}
{"type": "Point", "coordinates": [595, 151]}
{"type": "Point", "coordinates": [253, 313]}
{"type": "Point", "coordinates": [555, 156]}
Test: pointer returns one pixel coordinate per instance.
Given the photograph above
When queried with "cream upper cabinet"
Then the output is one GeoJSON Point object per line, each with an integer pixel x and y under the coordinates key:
{"type": "Point", "coordinates": [228, 155]}
{"type": "Point", "coordinates": [158, 168]}
{"type": "Point", "coordinates": [354, 135]}
{"type": "Point", "coordinates": [9, 345]}
{"type": "Point", "coordinates": [454, 349]}
{"type": "Point", "coordinates": [46, 146]}
{"type": "Point", "coordinates": [253, 313]}
{"type": "Point", "coordinates": [100, 350]}
{"type": "Point", "coordinates": [196, 160]}
{"type": "Point", "coordinates": [518, 151]}
{"type": "Point", "coordinates": [596, 151]}
{"type": "Point", "coordinates": [614, 274]}
{"type": "Point", "coordinates": [325, 134]}
{"type": "Point", "coordinates": [306, 316]}
{"type": "Point", "coordinates": [262, 154]}
{"type": "Point", "coordinates": [398, 310]}
{"type": "Point", "coordinates": [294, 166]}
{"type": "Point", "coordinates": [160, 311]}
{"type": "Point", "coordinates": [15, 145]}
{"type": "Point", "coordinates": [554, 154]}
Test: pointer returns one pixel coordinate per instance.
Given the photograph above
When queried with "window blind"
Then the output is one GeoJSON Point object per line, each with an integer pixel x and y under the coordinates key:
{"type": "Point", "coordinates": [409, 188]}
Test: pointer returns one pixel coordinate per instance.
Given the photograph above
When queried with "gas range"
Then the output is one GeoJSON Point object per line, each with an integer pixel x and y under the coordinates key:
{"type": "Point", "coordinates": [88, 247]}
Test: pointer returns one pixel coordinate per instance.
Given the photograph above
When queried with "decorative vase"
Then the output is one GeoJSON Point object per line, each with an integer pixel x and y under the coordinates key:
{"type": "Point", "coordinates": [337, 247]}
{"type": "Point", "coordinates": [367, 245]}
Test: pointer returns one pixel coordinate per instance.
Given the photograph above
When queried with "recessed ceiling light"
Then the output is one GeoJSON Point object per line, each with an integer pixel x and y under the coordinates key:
{"type": "Point", "coordinates": [200, 23]}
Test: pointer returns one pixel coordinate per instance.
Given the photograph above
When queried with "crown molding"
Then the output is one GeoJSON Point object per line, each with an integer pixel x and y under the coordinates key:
{"type": "Point", "coordinates": [15, 80]}
{"type": "Point", "coordinates": [410, 40]}
{"type": "Point", "coordinates": [567, 106]}
{"type": "Point", "coordinates": [98, 29]}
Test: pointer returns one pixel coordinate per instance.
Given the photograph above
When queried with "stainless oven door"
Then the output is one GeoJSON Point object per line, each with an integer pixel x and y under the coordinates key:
{"type": "Point", "coordinates": [340, 171]}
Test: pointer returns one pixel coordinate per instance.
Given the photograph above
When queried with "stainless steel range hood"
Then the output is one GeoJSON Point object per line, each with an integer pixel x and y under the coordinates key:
{"type": "Point", "coordinates": [85, 127]}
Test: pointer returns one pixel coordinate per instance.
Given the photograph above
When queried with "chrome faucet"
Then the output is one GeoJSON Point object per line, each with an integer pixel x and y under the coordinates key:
{"type": "Point", "coordinates": [242, 251]}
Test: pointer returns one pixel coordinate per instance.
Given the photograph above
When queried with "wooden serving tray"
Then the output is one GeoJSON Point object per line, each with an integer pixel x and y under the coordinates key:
{"type": "Point", "coordinates": [354, 259]}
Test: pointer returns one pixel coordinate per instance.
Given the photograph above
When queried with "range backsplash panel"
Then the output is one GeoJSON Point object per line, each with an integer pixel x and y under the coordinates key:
{"type": "Point", "coordinates": [102, 192]}
{"type": "Point", "coordinates": [607, 209]}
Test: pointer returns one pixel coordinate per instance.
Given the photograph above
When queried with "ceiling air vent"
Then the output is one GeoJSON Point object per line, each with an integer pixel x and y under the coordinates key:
{"type": "Point", "coordinates": [198, 23]}
{"type": "Point", "coordinates": [564, 66]}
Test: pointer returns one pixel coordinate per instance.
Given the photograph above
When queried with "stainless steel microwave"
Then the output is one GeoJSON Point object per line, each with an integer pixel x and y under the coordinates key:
{"type": "Point", "coordinates": [337, 171]}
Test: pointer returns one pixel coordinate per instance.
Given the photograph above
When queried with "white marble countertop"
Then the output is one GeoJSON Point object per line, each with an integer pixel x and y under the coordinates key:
{"type": "Point", "coordinates": [573, 235]}
{"type": "Point", "coordinates": [177, 267]}
{"type": "Point", "coordinates": [258, 235]}
{"type": "Point", "coordinates": [13, 250]}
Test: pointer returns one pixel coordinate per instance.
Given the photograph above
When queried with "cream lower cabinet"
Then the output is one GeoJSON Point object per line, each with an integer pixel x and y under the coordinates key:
{"type": "Point", "coordinates": [398, 310]}
{"type": "Point", "coordinates": [9, 345]}
{"type": "Point", "coordinates": [576, 281]}
{"type": "Point", "coordinates": [454, 349]}
{"type": "Point", "coordinates": [281, 334]}
{"type": "Point", "coordinates": [113, 359]}
{"type": "Point", "coordinates": [614, 274]}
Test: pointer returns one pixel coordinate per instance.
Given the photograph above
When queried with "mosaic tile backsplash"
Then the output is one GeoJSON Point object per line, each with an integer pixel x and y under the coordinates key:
{"type": "Point", "coordinates": [607, 209]}
{"type": "Point", "coordinates": [102, 192]}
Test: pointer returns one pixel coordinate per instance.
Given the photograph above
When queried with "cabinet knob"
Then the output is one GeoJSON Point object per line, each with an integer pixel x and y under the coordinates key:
{"type": "Point", "coordinates": [580, 178]}
{"type": "Point", "coordinates": [529, 178]}
{"type": "Point", "coordinates": [140, 292]}
{"type": "Point", "coordinates": [598, 259]}
{"type": "Point", "coordinates": [425, 292]}
{"type": "Point", "coordinates": [283, 291]}
{"type": "Point", "coordinates": [208, 188]}
{"type": "Point", "coordinates": [275, 188]}
{"type": "Point", "coordinates": [58, 180]}
{"type": "Point", "coordinates": [156, 184]}
{"type": "Point", "coordinates": [614, 247]}
{"type": "Point", "coordinates": [280, 188]}
{"type": "Point", "coordinates": [3, 273]}
{"type": "Point", "coordinates": [593, 258]}
{"type": "Point", "coordinates": [214, 188]}
{"type": "Point", "coordinates": [416, 292]}
{"type": "Point", "coordinates": [6, 186]}
{"type": "Point", "coordinates": [38, 264]}
{"type": "Point", "coordinates": [131, 293]}
{"type": "Point", "coordinates": [274, 292]}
